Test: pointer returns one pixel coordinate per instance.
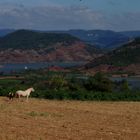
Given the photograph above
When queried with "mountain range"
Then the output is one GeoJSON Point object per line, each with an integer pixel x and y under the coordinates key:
{"type": "Point", "coordinates": [105, 39]}
{"type": "Point", "coordinates": [18, 46]}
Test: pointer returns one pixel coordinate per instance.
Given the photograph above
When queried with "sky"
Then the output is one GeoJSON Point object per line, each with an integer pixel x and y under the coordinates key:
{"type": "Point", "coordinates": [118, 15]}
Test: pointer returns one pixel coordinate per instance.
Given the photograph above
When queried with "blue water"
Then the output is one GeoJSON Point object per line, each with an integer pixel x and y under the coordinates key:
{"type": "Point", "coordinates": [133, 82]}
{"type": "Point", "coordinates": [7, 68]}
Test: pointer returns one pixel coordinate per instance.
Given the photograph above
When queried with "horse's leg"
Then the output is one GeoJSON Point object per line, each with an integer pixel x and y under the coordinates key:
{"type": "Point", "coordinates": [27, 97]}
{"type": "Point", "coordinates": [18, 96]}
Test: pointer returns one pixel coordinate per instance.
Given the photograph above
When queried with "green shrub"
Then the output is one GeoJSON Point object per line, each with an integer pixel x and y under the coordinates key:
{"type": "Point", "coordinates": [99, 83]}
{"type": "Point", "coordinates": [57, 82]}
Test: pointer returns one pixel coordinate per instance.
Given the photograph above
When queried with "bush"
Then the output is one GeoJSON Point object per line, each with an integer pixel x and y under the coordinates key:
{"type": "Point", "coordinates": [57, 82]}
{"type": "Point", "coordinates": [125, 86]}
{"type": "Point", "coordinates": [99, 83]}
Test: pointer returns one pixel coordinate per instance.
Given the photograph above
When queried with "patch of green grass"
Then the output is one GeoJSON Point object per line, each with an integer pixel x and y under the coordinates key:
{"type": "Point", "coordinates": [44, 114]}
{"type": "Point", "coordinates": [9, 81]}
{"type": "Point", "coordinates": [37, 114]}
{"type": "Point", "coordinates": [32, 113]}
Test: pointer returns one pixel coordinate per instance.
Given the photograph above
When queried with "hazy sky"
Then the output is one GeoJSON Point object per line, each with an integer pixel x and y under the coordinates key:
{"type": "Point", "coordinates": [70, 14]}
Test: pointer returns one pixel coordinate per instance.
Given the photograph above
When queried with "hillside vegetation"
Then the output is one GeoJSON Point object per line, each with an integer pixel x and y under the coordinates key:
{"type": "Point", "coordinates": [25, 39]}
{"type": "Point", "coordinates": [123, 56]}
{"type": "Point", "coordinates": [30, 46]}
{"type": "Point", "coordinates": [70, 86]}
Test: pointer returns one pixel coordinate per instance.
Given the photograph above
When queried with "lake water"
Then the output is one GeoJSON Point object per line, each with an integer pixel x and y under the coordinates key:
{"type": "Point", "coordinates": [7, 68]}
{"type": "Point", "coordinates": [133, 82]}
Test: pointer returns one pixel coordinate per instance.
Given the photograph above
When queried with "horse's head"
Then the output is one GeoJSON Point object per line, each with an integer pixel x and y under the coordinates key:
{"type": "Point", "coordinates": [32, 89]}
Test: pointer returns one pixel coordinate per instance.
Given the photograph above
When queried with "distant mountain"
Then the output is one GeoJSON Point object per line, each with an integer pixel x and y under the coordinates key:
{"type": "Point", "coordinates": [122, 58]}
{"type": "Point", "coordinates": [131, 34]}
{"type": "Point", "coordinates": [105, 39]}
{"type": "Point", "coordinates": [4, 32]}
{"type": "Point", "coordinates": [101, 38]}
{"type": "Point", "coordinates": [32, 46]}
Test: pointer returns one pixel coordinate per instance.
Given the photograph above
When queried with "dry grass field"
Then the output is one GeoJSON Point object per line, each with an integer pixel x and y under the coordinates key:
{"type": "Point", "coordinates": [68, 120]}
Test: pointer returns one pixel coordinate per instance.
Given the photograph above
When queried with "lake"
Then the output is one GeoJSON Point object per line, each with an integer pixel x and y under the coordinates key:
{"type": "Point", "coordinates": [133, 82]}
{"type": "Point", "coordinates": [7, 68]}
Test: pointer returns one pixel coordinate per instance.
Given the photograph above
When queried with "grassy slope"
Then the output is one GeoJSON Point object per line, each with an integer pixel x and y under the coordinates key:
{"type": "Point", "coordinates": [44, 119]}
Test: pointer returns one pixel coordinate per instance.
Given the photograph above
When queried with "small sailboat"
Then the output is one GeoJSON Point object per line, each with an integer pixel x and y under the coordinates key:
{"type": "Point", "coordinates": [25, 67]}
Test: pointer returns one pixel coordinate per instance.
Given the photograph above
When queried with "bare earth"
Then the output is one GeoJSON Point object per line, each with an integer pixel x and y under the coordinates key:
{"type": "Point", "coordinates": [68, 120]}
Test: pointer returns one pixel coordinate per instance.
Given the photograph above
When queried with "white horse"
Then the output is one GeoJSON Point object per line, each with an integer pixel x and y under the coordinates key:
{"type": "Point", "coordinates": [25, 93]}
